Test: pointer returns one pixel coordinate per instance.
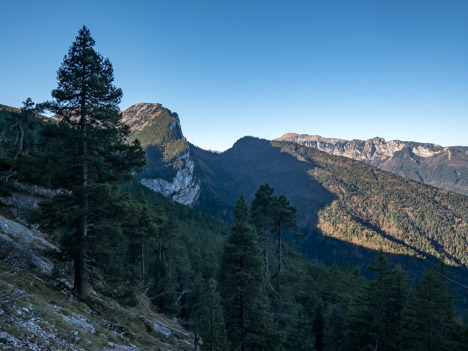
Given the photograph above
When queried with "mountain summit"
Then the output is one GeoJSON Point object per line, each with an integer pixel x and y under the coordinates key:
{"type": "Point", "coordinates": [442, 167]}
{"type": "Point", "coordinates": [169, 168]}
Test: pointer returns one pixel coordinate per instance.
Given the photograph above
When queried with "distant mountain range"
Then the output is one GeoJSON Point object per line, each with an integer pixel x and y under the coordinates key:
{"type": "Point", "coordinates": [346, 209]}
{"type": "Point", "coordinates": [442, 167]}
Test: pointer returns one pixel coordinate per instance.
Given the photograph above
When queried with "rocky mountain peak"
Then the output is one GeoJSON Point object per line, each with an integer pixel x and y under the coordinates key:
{"type": "Point", "coordinates": [433, 164]}
{"type": "Point", "coordinates": [169, 169]}
{"type": "Point", "coordinates": [142, 115]}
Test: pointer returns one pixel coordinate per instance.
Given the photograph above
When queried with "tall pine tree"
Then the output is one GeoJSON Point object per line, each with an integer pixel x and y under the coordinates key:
{"type": "Point", "coordinates": [434, 312]}
{"type": "Point", "coordinates": [242, 282]}
{"type": "Point", "coordinates": [262, 217]}
{"type": "Point", "coordinates": [209, 318]}
{"type": "Point", "coordinates": [89, 149]}
{"type": "Point", "coordinates": [284, 215]}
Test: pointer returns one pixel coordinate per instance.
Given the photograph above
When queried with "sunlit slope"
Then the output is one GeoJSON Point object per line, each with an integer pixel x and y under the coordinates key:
{"type": "Point", "coordinates": [377, 209]}
{"type": "Point", "coordinates": [340, 198]}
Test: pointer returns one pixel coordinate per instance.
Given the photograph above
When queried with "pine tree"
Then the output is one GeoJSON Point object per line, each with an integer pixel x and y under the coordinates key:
{"type": "Point", "coordinates": [242, 283]}
{"type": "Point", "coordinates": [300, 337]}
{"type": "Point", "coordinates": [284, 215]}
{"type": "Point", "coordinates": [464, 334]}
{"type": "Point", "coordinates": [18, 131]}
{"type": "Point", "coordinates": [319, 326]}
{"type": "Point", "coordinates": [262, 217]}
{"type": "Point", "coordinates": [87, 148]}
{"type": "Point", "coordinates": [397, 315]}
{"type": "Point", "coordinates": [209, 318]}
{"type": "Point", "coordinates": [26, 119]}
{"type": "Point", "coordinates": [378, 303]}
{"type": "Point", "coordinates": [434, 313]}
{"type": "Point", "coordinates": [334, 333]}
{"type": "Point", "coordinates": [163, 293]}
{"type": "Point", "coordinates": [139, 230]}
{"type": "Point", "coordinates": [371, 325]}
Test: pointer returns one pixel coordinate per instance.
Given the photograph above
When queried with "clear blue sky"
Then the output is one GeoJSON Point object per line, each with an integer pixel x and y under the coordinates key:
{"type": "Point", "coordinates": [347, 69]}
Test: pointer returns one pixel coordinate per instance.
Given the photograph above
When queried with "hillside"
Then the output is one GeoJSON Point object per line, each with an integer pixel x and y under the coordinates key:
{"type": "Point", "coordinates": [38, 310]}
{"type": "Point", "coordinates": [346, 209]}
{"type": "Point", "coordinates": [442, 167]}
{"type": "Point", "coordinates": [9, 108]}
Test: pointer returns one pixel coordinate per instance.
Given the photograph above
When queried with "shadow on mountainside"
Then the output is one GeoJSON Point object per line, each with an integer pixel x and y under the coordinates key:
{"type": "Point", "coordinates": [252, 162]}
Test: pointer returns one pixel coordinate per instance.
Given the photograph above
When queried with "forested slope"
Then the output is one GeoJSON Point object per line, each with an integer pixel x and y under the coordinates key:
{"type": "Point", "coordinates": [344, 207]}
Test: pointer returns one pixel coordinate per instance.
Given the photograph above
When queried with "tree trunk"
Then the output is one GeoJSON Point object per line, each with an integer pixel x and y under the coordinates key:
{"type": "Point", "coordinates": [159, 251]}
{"type": "Point", "coordinates": [170, 259]}
{"type": "Point", "coordinates": [142, 261]}
{"type": "Point", "coordinates": [242, 311]}
{"type": "Point", "coordinates": [280, 251]}
{"type": "Point", "coordinates": [80, 256]}
{"type": "Point", "coordinates": [265, 248]}
{"type": "Point", "coordinates": [211, 325]}
{"type": "Point", "coordinates": [19, 151]}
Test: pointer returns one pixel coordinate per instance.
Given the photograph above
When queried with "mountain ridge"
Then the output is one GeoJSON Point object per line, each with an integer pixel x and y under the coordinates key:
{"type": "Point", "coordinates": [442, 167]}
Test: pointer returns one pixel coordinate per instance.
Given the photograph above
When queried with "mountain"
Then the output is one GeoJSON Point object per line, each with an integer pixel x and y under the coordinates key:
{"type": "Point", "coordinates": [346, 209]}
{"type": "Point", "coordinates": [9, 108]}
{"type": "Point", "coordinates": [169, 170]}
{"type": "Point", "coordinates": [442, 167]}
{"type": "Point", "coordinates": [360, 207]}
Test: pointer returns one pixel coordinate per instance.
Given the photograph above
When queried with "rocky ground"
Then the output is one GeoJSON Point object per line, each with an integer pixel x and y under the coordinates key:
{"type": "Point", "coordinates": [39, 312]}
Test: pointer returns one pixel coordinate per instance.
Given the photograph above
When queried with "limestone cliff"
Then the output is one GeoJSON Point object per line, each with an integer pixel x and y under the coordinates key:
{"type": "Point", "coordinates": [169, 169]}
{"type": "Point", "coordinates": [443, 167]}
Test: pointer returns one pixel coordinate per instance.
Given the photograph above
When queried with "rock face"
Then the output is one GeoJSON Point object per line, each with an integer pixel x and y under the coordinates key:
{"type": "Point", "coordinates": [443, 167]}
{"type": "Point", "coordinates": [23, 247]}
{"type": "Point", "coordinates": [169, 169]}
{"type": "Point", "coordinates": [182, 188]}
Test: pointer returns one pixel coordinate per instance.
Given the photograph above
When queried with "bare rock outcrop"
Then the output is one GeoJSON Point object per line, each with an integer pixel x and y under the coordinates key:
{"type": "Point", "coordinates": [443, 167]}
{"type": "Point", "coordinates": [170, 169]}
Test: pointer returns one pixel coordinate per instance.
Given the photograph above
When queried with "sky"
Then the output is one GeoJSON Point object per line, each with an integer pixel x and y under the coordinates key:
{"type": "Point", "coordinates": [344, 69]}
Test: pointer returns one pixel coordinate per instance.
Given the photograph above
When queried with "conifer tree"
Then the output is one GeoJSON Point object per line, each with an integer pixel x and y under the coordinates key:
{"type": "Point", "coordinates": [434, 312]}
{"type": "Point", "coordinates": [397, 316]}
{"type": "Point", "coordinates": [140, 229]}
{"type": "Point", "coordinates": [242, 283]}
{"type": "Point", "coordinates": [284, 215]}
{"type": "Point", "coordinates": [87, 149]}
{"type": "Point", "coordinates": [378, 303]}
{"type": "Point", "coordinates": [25, 119]}
{"type": "Point", "coordinates": [163, 293]}
{"type": "Point", "coordinates": [300, 338]}
{"type": "Point", "coordinates": [334, 332]}
{"type": "Point", "coordinates": [318, 326]}
{"type": "Point", "coordinates": [209, 318]}
{"type": "Point", "coordinates": [262, 217]}
{"type": "Point", "coordinates": [370, 323]}
{"type": "Point", "coordinates": [16, 138]}
{"type": "Point", "coordinates": [464, 334]}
